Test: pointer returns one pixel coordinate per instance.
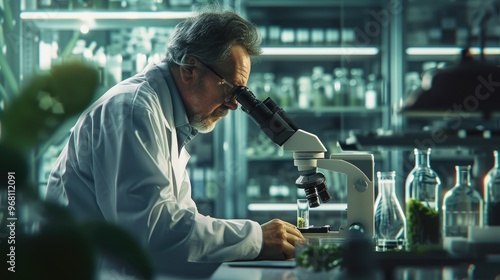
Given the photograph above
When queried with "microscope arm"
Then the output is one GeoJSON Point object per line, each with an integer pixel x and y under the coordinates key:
{"type": "Point", "coordinates": [308, 154]}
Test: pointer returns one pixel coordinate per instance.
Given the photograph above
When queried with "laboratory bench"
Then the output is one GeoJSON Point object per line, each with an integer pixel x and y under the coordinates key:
{"type": "Point", "coordinates": [286, 270]}
{"type": "Point", "coordinates": [360, 261]}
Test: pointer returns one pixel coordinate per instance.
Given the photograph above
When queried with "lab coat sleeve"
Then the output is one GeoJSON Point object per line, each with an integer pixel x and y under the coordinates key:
{"type": "Point", "coordinates": [137, 190]}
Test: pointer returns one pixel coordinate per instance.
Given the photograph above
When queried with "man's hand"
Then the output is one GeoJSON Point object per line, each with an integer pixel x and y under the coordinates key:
{"type": "Point", "coordinates": [279, 239]}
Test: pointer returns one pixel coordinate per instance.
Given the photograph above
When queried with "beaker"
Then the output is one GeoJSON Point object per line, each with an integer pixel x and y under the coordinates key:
{"type": "Point", "coordinates": [302, 213]}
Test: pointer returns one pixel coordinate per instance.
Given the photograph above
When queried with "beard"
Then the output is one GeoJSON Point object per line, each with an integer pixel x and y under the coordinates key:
{"type": "Point", "coordinates": [206, 123]}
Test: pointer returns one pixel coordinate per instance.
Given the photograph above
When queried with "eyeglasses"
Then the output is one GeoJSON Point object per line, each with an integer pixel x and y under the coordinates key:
{"type": "Point", "coordinates": [223, 81]}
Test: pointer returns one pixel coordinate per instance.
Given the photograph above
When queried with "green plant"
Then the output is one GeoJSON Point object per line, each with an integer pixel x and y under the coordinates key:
{"type": "Point", "coordinates": [318, 258]}
{"type": "Point", "coordinates": [423, 224]}
{"type": "Point", "coordinates": [48, 242]}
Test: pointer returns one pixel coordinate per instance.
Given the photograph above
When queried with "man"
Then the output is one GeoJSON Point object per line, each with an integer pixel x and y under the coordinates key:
{"type": "Point", "coordinates": [125, 160]}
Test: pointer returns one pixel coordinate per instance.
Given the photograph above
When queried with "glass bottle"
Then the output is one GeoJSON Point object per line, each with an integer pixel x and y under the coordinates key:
{"type": "Point", "coordinates": [462, 205]}
{"type": "Point", "coordinates": [371, 94]}
{"type": "Point", "coordinates": [423, 201]}
{"type": "Point", "coordinates": [357, 88]}
{"type": "Point", "coordinates": [269, 87]}
{"type": "Point", "coordinates": [318, 87]}
{"type": "Point", "coordinates": [304, 90]}
{"type": "Point", "coordinates": [256, 85]}
{"type": "Point", "coordinates": [288, 95]}
{"type": "Point", "coordinates": [412, 82]}
{"type": "Point", "coordinates": [492, 194]}
{"type": "Point", "coordinates": [328, 87]}
{"type": "Point", "coordinates": [340, 86]}
{"type": "Point", "coordinates": [390, 222]}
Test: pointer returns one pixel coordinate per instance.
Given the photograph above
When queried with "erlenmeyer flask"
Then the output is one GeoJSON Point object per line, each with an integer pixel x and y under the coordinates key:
{"type": "Point", "coordinates": [390, 222]}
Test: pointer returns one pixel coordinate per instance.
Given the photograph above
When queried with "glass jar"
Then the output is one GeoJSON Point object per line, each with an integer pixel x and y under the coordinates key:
{"type": "Point", "coordinates": [390, 222]}
{"type": "Point", "coordinates": [492, 194]}
{"type": "Point", "coordinates": [462, 206]}
{"type": "Point", "coordinates": [423, 200]}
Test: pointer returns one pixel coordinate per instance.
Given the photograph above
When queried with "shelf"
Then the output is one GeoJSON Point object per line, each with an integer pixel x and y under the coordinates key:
{"type": "Point", "coordinates": [310, 3]}
{"type": "Point", "coordinates": [273, 157]}
{"type": "Point", "coordinates": [444, 53]}
{"type": "Point", "coordinates": [102, 19]}
{"type": "Point", "coordinates": [334, 111]}
{"type": "Point", "coordinates": [432, 139]}
{"type": "Point", "coordinates": [308, 53]}
{"type": "Point", "coordinates": [293, 207]}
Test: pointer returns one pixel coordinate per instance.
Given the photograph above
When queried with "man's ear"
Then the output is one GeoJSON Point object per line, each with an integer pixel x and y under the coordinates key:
{"type": "Point", "coordinates": [189, 73]}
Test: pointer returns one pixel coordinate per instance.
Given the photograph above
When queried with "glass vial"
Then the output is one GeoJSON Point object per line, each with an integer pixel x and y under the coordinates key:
{"type": "Point", "coordinates": [492, 194]}
{"type": "Point", "coordinates": [423, 201]}
{"type": "Point", "coordinates": [462, 206]}
{"type": "Point", "coordinates": [302, 213]}
{"type": "Point", "coordinates": [390, 222]}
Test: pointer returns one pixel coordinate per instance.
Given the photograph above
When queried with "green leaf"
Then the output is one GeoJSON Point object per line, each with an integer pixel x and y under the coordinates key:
{"type": "Point", "coordinates": [58, 253]}
{"type": "Point", "coordinates": [46, 102]}
{"type": "Point", "coordinates": [13, 162]}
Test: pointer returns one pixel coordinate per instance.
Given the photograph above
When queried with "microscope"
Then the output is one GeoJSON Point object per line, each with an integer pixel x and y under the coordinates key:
{"type": "Point", "coordinates": [309, 155]}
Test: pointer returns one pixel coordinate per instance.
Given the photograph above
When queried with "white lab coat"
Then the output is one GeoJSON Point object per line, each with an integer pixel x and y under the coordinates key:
{"type": "Point", "coordinates": [122, 163]}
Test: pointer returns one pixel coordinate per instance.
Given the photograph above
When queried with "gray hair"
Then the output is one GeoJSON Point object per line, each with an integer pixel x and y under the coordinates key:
{"type": "Point", "coordinates": [209, 37]}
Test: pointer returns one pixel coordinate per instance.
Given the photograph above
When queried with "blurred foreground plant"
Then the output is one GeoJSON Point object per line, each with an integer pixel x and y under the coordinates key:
{"type": "Point", "coordinates": [318, 258]}
{"type": "Point", "coordinates": [48, 242]}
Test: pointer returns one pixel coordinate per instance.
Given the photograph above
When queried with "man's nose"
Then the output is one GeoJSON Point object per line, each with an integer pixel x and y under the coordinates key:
{"type": "Point", "coordinates": [232, 103]}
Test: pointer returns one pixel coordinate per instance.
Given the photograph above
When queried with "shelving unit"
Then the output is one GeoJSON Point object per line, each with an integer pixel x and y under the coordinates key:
{"type": "Point", "coordinates": [102, 20]}
{"type": "Point", "coordinates": [329, 122]}
{"type": "Point", "coordinates": [38, 25]}
{"type": "Point", "coordinates": [317, 53]}
{"type": "Point", "coordinates": [393, 50]}
{"type": "Point", "coordinates": [98, 26]}
{"type": "Point", "coordinates": [436, 32]}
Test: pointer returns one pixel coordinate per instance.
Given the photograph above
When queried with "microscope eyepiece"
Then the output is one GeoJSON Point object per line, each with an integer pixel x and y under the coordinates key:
{"type": "Point", "coordinates": [273, 121]}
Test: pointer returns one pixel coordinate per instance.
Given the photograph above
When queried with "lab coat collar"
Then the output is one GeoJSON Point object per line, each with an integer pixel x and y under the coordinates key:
{"type": "Point", "coordinates": [159, 85]}
{"type": "Point", "coordinates": [180, 157]}
{"type": "Point", "coordinates": [185, 132]}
